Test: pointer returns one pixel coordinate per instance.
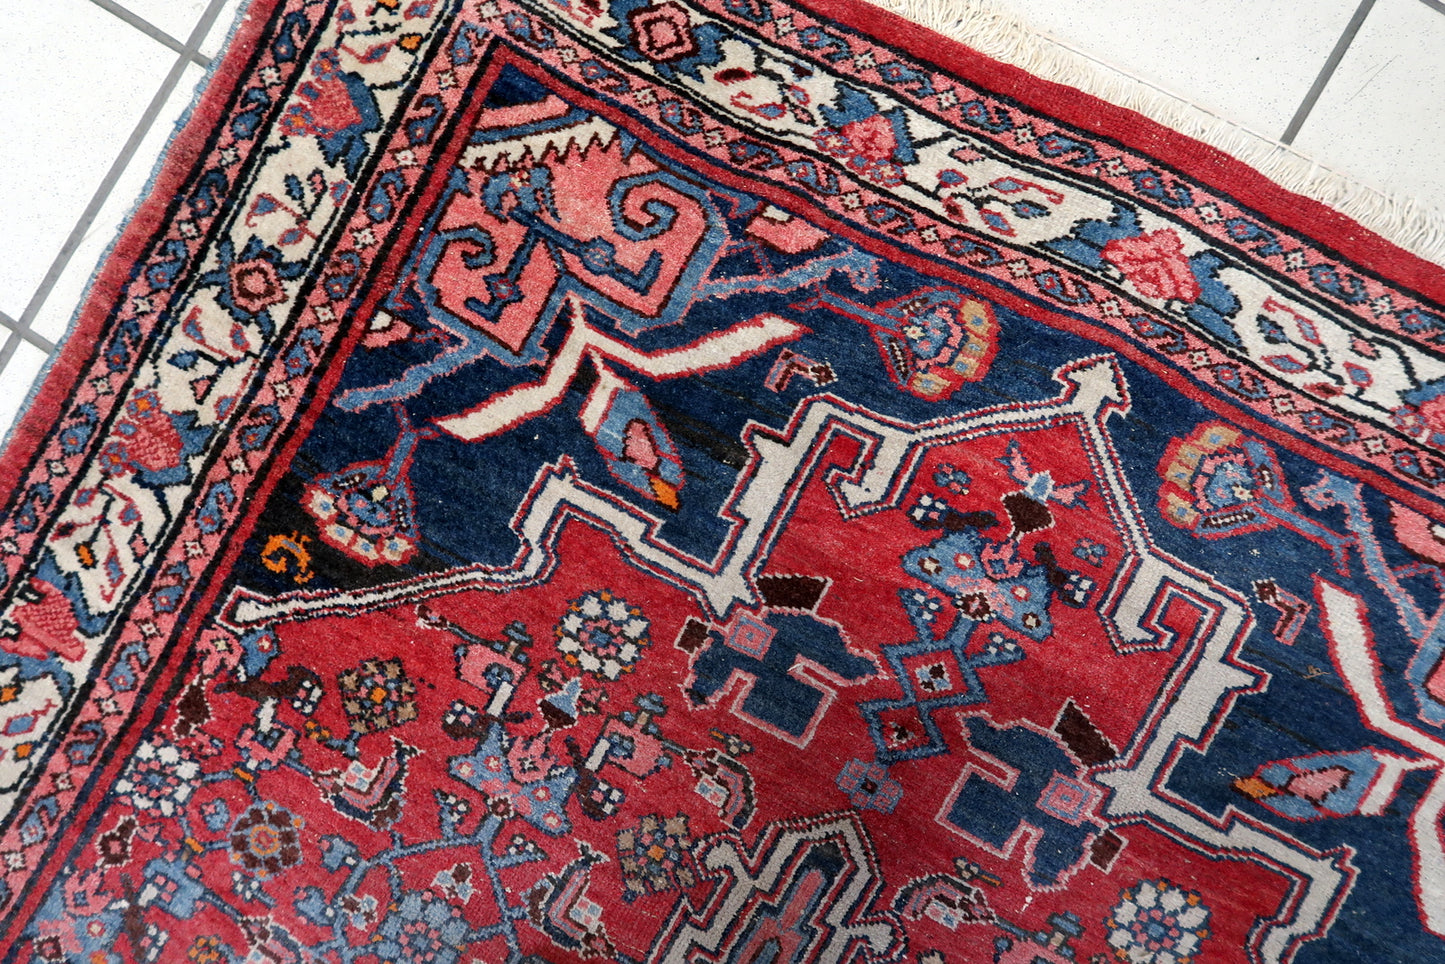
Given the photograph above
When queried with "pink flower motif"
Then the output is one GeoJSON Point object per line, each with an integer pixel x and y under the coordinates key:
{"type": "Point", "coordinates": [47, 628]}
{"type": "Point", "coordinates": [1419, 534]}
{"type": "Point", "coordinates": [149, 437]}
{"type": "Point", "coordinates": [872, 137]}
{"type": "Point", "coordinates": [1155, 265]}
{"type": "Point", "coordinates": [1432, 412]}
{"type": "Point", "coordinates": [326, 108]}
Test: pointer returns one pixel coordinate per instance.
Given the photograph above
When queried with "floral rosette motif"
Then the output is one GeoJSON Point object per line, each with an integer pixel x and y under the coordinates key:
{"type": "Point", "coordinates": [602, 634]}
{"type": "Point", "coordinates": [654, 856]}
{"type": "Point", "coordinates": [160, 778]}
{"type": "Point", "coordinates": [1157, 922]}
{"type": "Point", "coordinates": [265, 839]}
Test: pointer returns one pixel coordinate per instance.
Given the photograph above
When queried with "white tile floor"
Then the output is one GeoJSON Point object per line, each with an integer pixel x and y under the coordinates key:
{"type": "Point", "coordinates": [1358, 85]}
{"type": "Point", "coordinates": [90, 91]}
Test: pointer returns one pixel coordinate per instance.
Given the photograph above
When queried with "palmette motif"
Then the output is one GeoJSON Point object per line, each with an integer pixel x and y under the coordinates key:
{"type": "Point", "coordinates": [674, 481]}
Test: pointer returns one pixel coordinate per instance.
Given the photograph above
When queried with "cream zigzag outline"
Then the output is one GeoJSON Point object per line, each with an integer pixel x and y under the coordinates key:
{"type": "Point", "coordinates": [1200, 693]}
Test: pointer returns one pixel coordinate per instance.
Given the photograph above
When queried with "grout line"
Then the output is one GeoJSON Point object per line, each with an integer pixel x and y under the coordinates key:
{"type": "Point", "coordinates": [118, 166]}
{"type": "Point", "coordinates": [6, 353]}
{"type": "Point", "coordinates": [153, 32]}
{"type": "Point", "coordinates": [1435, 5]}
{"type": "Point", "coordinates": [1326, 72]}
{"type": "Point", "coordinates": [10, 324]}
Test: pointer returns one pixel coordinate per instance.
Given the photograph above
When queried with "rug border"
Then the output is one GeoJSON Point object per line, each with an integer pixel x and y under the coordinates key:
{"type": "Point", "coordinates": [63, 374]}
{"type": "Point", "coordinates": [1246, 185]}
{"type": "Point", "coordinates": [1326, 226]}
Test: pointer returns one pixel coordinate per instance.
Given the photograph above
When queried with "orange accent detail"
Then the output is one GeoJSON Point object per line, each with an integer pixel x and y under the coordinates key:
{"type": "Point", "coordinates": [1255, 788]}
{"type": "Point", "coordinates": [664, 492]}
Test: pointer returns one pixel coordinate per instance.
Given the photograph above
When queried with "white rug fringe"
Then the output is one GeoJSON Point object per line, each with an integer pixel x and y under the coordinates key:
{"type": "Point", "coordinates": [980, 25]}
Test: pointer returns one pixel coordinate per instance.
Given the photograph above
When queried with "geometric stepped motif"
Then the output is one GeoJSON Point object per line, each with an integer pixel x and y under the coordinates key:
{"type": "Point", "coordinates": [452, 367]}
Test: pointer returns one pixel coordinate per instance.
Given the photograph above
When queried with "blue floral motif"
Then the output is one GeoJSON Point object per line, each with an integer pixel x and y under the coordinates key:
{"type": "Point", "coordinates": [519, 780]}
{"type": "Point", "coordinates": [338, 109]}
{"type": "Point", "coordinates": [421, 928]}
{"type": "Point", "coordinates": [250, 280]}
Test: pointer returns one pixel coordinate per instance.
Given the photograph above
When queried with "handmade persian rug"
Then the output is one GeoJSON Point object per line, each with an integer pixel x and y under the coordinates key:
{"type": "Point", "coordinates": [738, 481]}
